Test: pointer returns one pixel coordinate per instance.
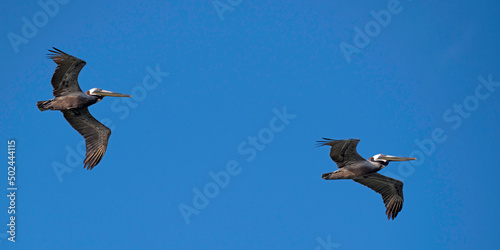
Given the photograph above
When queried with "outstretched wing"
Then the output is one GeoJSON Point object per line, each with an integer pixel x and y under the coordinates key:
{"type": "Point", "coordinates": [390, 189]}
{"type": "Point", "coordinates": [342, 151]}
{"type": "Point", "coordinates": [65, 78]}
{"type": "Point", "coordinates": [95, 133]}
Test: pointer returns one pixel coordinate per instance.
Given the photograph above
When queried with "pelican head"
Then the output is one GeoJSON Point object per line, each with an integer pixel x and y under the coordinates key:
{"type": "Point", "coordinates": [102, 92]}
{"type": "Point", "coordinates": [387, 158]}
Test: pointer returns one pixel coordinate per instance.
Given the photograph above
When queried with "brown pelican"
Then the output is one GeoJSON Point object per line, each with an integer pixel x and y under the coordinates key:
{"type": "Point", "coordinates": [352, 166]}
{"type": "Point", "coordinates": [73, 103]}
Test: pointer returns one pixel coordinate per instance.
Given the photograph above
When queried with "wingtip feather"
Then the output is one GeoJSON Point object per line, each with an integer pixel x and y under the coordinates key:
{"type": "Point", "coordinates": [324, 142]}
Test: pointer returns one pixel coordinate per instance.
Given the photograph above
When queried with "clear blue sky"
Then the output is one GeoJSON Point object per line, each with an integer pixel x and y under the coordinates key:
{"type": "Point", "coordinates": [402, 77]}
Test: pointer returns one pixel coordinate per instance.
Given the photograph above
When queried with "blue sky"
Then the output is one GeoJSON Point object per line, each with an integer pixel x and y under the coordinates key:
{"type": "Point", "coordinates": [241, 90]}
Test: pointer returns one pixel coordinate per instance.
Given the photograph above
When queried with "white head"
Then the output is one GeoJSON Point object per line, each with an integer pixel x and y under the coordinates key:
{"type": "Point", "coordinates": [377, 158]}
{"type": "Point", "coordinates": [94, 91]}
{"type": "Point", "coordinates": [387, 158]}
{"type": "Point", "coordinates": [102, 92]}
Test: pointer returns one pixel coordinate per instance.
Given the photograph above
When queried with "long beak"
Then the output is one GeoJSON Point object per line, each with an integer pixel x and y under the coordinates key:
{"type": "Point", "coordinates": [396, 158]}
{"type": "Point", "coordinates": [109, 93]}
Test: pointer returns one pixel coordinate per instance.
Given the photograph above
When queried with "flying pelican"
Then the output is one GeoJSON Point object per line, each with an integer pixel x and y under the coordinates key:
{"type": "Point", "coordinates": [352, 166]}
{"type": "Point", "coordinates": [73, 103]}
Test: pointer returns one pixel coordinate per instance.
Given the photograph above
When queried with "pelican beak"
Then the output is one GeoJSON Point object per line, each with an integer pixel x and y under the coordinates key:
{"type": "Point", "coordinates": [103, 92]}
{"type": "Point", "coordinates": [396, 158]}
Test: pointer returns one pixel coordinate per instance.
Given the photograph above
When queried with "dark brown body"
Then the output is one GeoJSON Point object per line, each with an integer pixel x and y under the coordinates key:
{"type": "Point", "coordinates": [353, 170]}
{"type": "Point", "coordinates": [68, 102]}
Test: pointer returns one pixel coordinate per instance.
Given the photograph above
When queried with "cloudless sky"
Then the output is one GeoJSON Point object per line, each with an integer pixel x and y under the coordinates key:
{"type": "Point", "coordinates": [241, 90]}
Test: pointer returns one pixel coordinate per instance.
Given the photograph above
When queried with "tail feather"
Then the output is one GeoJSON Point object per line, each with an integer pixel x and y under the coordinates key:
{"type": "Point", "coordinates": [43, 105]}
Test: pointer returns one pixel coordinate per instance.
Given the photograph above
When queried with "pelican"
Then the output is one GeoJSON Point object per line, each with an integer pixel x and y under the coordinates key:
{"type": "Point", "coordinates": [73, 103]}
{"type": "Point", "coordinates": [352, 166]}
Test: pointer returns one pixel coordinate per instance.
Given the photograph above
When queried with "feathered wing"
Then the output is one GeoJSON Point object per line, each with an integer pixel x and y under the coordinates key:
{"type": "Point", "coordinates": [95, 133]}
{"type": "Point", "coordinates": [65, 78]}
{"type": "Point", "coordinates": [342, 151]}
{"type": "Point", "coordinates": [390, 189]}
